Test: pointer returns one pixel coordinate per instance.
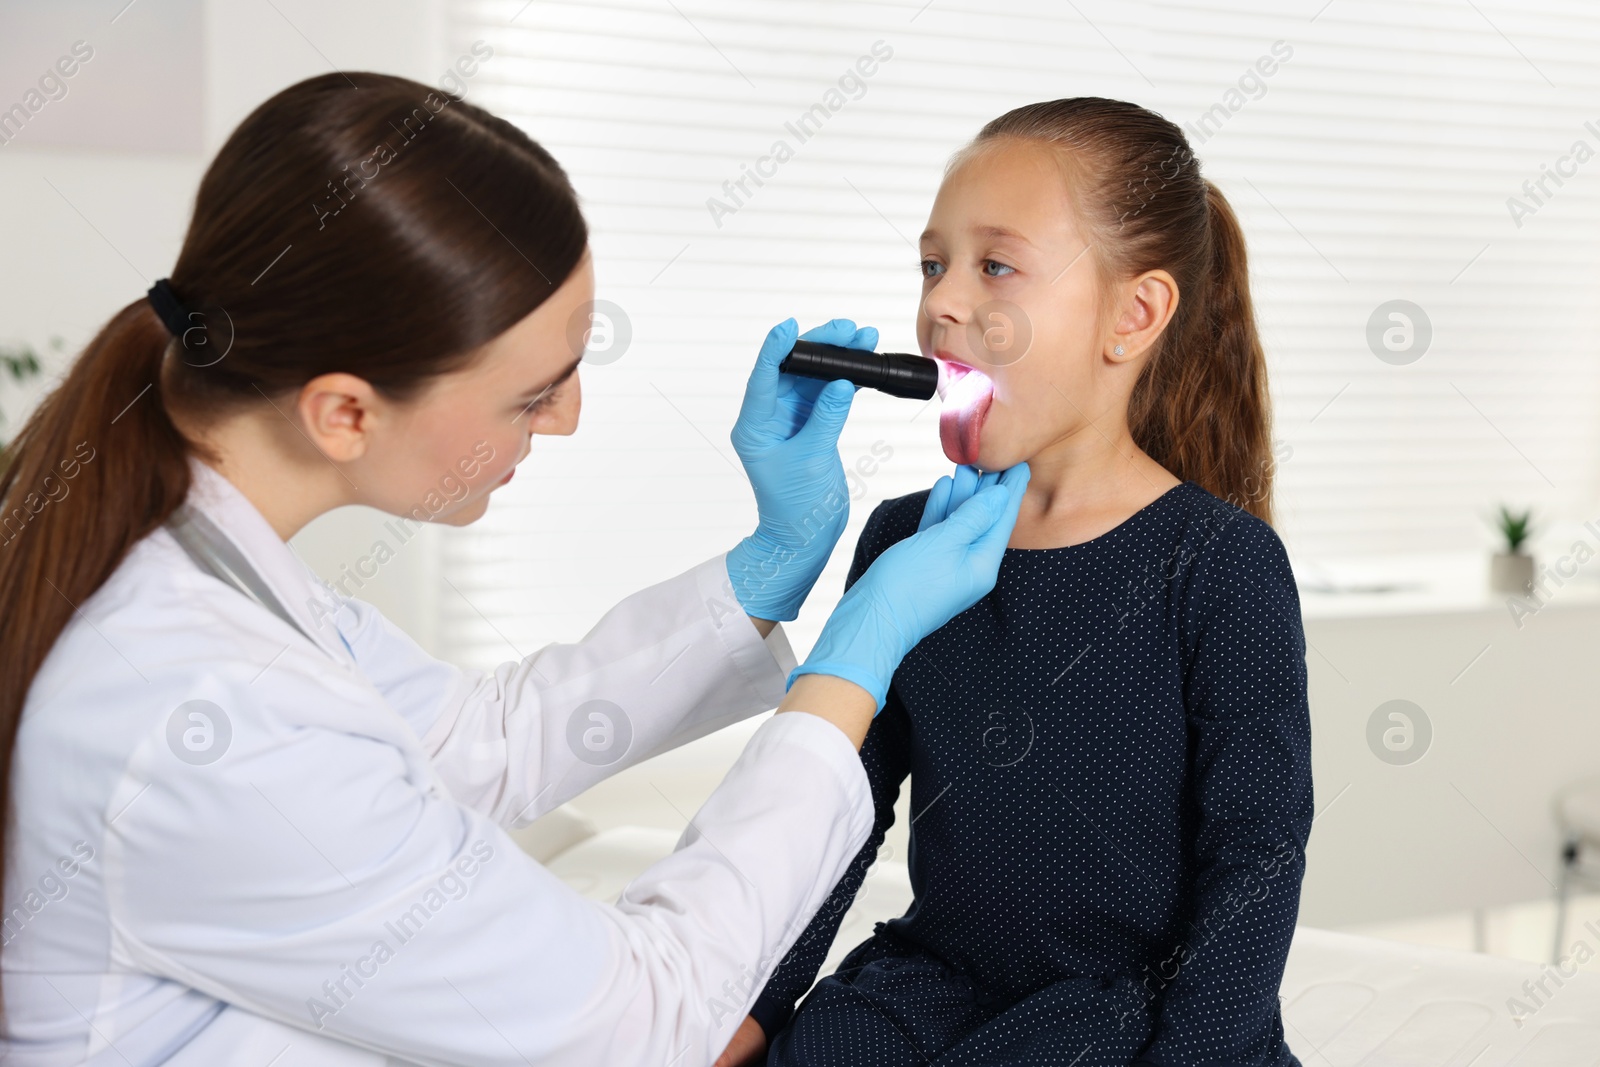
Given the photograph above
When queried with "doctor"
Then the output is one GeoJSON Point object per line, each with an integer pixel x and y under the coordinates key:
{"type": "Point", "coordinates": [251, 821]}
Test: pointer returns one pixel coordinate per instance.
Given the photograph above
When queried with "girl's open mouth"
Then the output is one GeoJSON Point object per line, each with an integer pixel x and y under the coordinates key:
{"type": "Point", "coordinates": [966, 394]}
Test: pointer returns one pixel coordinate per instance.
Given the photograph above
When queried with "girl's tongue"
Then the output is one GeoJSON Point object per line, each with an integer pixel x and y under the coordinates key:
{"type": "Point", "coordinates": [966, 394]}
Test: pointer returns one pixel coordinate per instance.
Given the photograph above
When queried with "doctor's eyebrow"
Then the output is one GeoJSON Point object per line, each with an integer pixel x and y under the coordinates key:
{"type": "Point", "coordinates": [529, 400]}
{"type": "Point", "coordinates": [563, 376]}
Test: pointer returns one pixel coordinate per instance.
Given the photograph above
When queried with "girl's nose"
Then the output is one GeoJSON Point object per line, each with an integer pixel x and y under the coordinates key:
{"type": "Point", "coordinates": [945, 303]}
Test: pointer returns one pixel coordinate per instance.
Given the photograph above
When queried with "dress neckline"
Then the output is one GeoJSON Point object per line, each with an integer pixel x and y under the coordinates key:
{"type": "Point", "coordinates": [1114, 531]}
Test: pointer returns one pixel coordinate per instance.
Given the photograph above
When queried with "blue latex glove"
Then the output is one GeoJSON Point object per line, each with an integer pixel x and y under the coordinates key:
{"type": "Point", "coordinates": [950, 492]}
{"type": "Point", "coordinates": [787, 437]}
{"type": "Point", "coordinates": [916, 586]}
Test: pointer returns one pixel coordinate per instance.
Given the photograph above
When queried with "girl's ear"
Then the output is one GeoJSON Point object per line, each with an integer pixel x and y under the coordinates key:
{"type": "Point", "coordinates": [1149, 302]}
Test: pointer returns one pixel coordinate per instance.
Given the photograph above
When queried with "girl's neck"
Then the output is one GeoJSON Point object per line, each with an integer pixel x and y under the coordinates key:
{"type": "Point", "coordinates": [1084, 485]}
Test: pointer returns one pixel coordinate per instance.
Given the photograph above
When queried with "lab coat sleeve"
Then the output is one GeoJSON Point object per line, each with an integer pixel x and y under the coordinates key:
{"type": "Point", "coordinates": [886, 758]}
{"type": "Point", "coordinates": [1250, 789]}
{"type": "Point", "coordinates": [668, 664]}
{"type": "Point", "coordinates": [318, 875]}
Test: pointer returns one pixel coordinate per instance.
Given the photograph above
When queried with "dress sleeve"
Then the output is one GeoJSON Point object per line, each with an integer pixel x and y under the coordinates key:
{"type": "Point", "coordinates": [1250, 801]}
{"type": "Point", "coordinates": [886, 757]}
{"type": "Point", "coordinates": [664, 666]}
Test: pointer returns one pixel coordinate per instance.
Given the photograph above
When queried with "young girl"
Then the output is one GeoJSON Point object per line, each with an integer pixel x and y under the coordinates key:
{"type": "Point", "coordinates": [1110, 753]}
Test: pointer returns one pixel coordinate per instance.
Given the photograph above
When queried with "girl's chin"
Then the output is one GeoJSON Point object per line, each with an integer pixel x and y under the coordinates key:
{"type": "Point", "coordinates": [995, 455]}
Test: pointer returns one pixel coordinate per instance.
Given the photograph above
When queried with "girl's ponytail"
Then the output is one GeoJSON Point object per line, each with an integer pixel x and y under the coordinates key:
{"type": "Point", "coordinates": [1200, 406]}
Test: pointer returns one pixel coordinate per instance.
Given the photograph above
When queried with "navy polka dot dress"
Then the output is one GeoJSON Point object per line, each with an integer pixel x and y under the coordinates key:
{"type": "Point", "coordinates": [1110, 767]}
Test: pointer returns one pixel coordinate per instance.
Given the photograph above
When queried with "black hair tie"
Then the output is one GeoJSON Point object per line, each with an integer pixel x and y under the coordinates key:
{"type": "Point", "coordinates": [169, 308]}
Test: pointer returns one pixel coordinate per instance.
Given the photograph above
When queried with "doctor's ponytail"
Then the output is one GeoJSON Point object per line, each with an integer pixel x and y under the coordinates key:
{"type": "Point", "coordinates": [354, 222]}
{"type": "Point", "coordinates": [1200, 405]}
{"type": "Point", "coordinates": [97, 466]}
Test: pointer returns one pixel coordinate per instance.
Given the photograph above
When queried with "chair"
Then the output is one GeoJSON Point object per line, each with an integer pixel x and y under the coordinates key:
{"type": "Point", "coordinates": [1578, 816]}
{"type": "Point", "coordinates": [554, 832]}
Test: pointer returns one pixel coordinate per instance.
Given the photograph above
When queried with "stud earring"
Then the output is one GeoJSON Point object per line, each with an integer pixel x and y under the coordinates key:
{"type": "Point", "coordinates": [1118, 350]}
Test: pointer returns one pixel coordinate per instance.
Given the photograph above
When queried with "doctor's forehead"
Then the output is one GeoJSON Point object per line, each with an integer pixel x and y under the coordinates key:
{"type": "Point", "coordinates": [547, 343]}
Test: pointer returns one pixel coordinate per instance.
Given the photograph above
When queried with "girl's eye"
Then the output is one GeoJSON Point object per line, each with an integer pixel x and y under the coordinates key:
{"type": "Point", "coordinates": [930, 268]}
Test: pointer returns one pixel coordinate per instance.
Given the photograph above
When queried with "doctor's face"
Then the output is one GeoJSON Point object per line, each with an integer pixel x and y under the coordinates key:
{"type": "Point", "coordinates": [460, 439]}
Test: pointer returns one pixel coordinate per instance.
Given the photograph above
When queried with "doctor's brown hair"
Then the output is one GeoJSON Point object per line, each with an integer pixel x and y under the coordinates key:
{"type": "Point", "coordinates": [354, 222]}
{"type": "Point", "coordinates": [1199, 407]}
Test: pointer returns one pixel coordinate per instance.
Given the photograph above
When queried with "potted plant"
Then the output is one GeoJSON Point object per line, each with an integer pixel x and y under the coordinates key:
{"type": "Point", "coordinates": [21, 363]}
{"type": "Point", "coordinates": [1511, 571]}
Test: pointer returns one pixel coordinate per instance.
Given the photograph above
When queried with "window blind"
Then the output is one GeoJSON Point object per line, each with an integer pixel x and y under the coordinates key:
{"type": "Point", "coordinates": [1375, 163]}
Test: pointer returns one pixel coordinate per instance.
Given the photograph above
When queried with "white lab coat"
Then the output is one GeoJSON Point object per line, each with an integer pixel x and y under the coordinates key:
{"type": "Point", "coordinates": [337, 887]}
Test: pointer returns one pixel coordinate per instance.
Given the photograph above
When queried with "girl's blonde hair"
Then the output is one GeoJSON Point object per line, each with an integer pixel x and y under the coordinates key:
{"type": "Point", "coordinates": [1200, 406]}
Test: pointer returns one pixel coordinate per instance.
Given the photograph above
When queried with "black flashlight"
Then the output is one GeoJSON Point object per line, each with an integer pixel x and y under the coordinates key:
{"type": "Point", "coordinates": [895, 373]}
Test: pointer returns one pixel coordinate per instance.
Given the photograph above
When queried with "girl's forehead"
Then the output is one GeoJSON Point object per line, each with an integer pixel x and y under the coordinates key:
{"type": "Point", "coordinates": [1014, 158]}
{"type": "Point", "coordinates": [1012, 187]}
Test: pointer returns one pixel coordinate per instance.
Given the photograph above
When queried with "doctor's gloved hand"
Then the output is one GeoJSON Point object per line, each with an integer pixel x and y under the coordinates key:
{"type": "Point", "coordinates": [916, 586]}
{"type": "Point", "coordinates": [787, 437]}
{"type": "Point", "coordinates": [950, 492]}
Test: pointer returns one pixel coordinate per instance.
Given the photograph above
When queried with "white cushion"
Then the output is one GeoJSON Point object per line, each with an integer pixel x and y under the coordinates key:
{"type": "Point", "coordinates": [1347, 1000]}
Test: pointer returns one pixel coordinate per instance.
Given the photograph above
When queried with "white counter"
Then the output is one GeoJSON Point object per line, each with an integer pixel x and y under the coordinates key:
{"type": "Point", "coordinates": [1514, 712]}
